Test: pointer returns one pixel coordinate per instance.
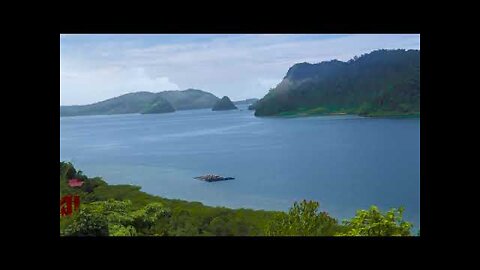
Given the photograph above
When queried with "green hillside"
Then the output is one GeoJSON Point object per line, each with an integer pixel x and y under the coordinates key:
{"type": "Point", "coordinates": [381, 83]}
{"type": "Point", "coordinates": [145, 102]}
{"type": "Point", "coordinates": [160, 105]}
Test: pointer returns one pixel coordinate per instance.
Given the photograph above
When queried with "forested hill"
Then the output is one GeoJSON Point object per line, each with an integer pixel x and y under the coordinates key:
{"type": "Point", "coordinates": [224, 104]}
{"type": "Point", "coordinates": [145, 102]}
{"type": "Point", "coordinates": [383, 82]}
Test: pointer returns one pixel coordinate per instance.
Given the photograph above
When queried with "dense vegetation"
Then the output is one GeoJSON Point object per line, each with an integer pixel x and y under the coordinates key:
{"type": "Point", "coordinates": [160, 105]}
{"type": "Point", "coordinates": [224, 104]}
{"type": "Point", "coordinates": [381, 83]}
{"type": "Point", "coordinates": [145, 102]}
{"type": "Point", "coordinates": [179, 218]}
{"type": "Point", "coordinates": [373, 223]}
{"type": "Point", "coordinates": [124, 210]}
{"type": "Point", "coordinates": [304, 219]}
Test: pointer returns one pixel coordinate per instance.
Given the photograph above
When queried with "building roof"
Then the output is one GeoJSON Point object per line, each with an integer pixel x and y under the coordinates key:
{"type": "Point", "coordinates": [75, 183]}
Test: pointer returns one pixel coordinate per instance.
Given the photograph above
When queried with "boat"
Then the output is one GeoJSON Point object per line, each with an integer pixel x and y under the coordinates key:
{"type": "Point", "coordinates": [213, 178]}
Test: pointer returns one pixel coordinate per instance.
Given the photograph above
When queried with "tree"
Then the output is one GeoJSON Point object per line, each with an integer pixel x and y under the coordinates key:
{"type": "Point", "coordinates": [115, 218]}
{"type": "Point", "coordinates": [88, 222]}
{"type": "Point", "coordinates": [145, 218]}
{"type": "Point", "coordinates": [119, 230]}
{"type": "Point", "coordinates": [373, 223]}
{"type": "Point", "coordinates": [67, 170]}
{"type": "Point", "coordinates": [382, 79]}
{"type": "Point", "coordinates": [303, 219]}
{"type": "Point", "coordinates": [219, 226]}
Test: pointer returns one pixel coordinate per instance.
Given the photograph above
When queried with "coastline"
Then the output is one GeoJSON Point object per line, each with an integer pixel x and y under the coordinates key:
{"type": "Point", "coordinates": [372, 115]}
{"type": "Point", "coordinates": [247, 221]}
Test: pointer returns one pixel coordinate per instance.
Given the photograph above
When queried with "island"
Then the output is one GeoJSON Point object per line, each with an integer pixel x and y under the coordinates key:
{"type": "Point", "coordinates": [380, 83]}
{"type": "Point", "coordinates": [160, 105]}
{"type": "Point", "coordinates": [145, 102]}
{"type": "Point", "coordinates": [224, 104]}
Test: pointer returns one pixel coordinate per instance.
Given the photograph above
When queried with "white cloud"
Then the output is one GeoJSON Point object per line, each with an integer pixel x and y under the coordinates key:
{"type": "Point", "coordinates": [98, 84]}
{"type": "Point", "coordinates": [239, 66]}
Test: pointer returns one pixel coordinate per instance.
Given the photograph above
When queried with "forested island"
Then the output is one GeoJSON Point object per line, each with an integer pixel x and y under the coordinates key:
{"type": "Point", "coordinates": [380, 83]}
{"type": "Point", "coordinates": [146, 102]}
{"type": "Point", "coordinates": [159, 105]}
{"type": "Point", "coordinates": [124, 210]}
{"type": "Point", "coordinates": [224, 104]}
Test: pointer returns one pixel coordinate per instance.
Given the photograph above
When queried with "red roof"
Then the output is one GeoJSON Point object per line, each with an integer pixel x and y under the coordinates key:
{"type": "Point", "coordinates": [75, 183]}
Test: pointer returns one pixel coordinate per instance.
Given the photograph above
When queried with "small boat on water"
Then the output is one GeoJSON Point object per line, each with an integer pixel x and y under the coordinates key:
{"type": "Point", "coordinates": [213, 178]}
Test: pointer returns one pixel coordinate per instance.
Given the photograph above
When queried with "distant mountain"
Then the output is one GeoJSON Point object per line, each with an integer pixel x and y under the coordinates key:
{"type": "Point", "coordinates": [247, 101]}
{"type": "Point", "coordinates": [145, 102]}
{"type": "Point", "coordinates": [224, 104]}
{"type": "Point", "coordinates": [160, 105]}
{"type": "Point", "coordinates": [190, 99]}
{"type": "Point", "coordinates": [383, 82]}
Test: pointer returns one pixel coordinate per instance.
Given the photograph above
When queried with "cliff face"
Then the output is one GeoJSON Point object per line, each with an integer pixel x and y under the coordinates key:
{"type": "Point", "coordinates": [224, 104]}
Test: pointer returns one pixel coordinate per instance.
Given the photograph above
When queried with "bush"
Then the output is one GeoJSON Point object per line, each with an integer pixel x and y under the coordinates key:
{"type": "Point", "coordinates": [373, 223]}
{"type": "Point", "coordinates": [89, 222]}
{"type": "Point", "coordinates": [115, 218]}
{"type": "Point", "coordinates": [302, 220]}
{"type": "Point", "coordinates": [145, 218]}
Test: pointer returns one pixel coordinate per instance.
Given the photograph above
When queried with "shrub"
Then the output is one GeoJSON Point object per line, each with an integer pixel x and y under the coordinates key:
{"type": "Point", "coordinates": [303, 219]}
{"type": "Point", "coordinates": [372, 222]}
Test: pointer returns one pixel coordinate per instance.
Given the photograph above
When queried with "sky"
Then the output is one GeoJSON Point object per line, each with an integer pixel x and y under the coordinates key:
{"type": "Point", "coordinates": [101, 66]}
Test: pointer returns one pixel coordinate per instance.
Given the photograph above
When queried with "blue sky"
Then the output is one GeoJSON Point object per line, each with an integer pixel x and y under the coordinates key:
{"type": "Point", "coordinates": [101, 66]}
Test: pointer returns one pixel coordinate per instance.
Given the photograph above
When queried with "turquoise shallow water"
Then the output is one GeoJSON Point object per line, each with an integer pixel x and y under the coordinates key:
{"type": "Point", "coordinates": [344, 162]}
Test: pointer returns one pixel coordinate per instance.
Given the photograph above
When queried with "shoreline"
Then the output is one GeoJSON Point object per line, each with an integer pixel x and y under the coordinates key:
{"type": "Point", "coordinates": [387, 116]}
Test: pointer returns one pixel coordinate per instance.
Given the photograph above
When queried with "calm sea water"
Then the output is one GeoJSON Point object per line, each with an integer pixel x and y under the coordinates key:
{"type": "Point", "coordinates": [344, 162]}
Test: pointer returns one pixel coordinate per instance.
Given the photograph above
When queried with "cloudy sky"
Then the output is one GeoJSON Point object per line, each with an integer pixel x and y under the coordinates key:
{"type": "Point", "coordinates": [97, 67]}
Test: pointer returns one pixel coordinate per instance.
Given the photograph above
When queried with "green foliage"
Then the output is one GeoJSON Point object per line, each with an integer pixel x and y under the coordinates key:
{"type": "Point", "coordinates": [124, 210]}
{"type": "Point", "coordinates": [189, 218]}
{"type": "Point", "coordinates": [381, 83]}
{"type": "Point", "coordinates": [303, 219]}
{"type": "Point", "coordinates": [144, 219]}
{"type": "Point", "coordinates": [145, 102]}
{"type": "Point", "coordinates": [67, 171]}
{"type": "Point", "coordinates": [373, 223]}
{"type": "Point", "coordinates": [305, 112]}
{"type": "Point", "coordinates": [88, 222]}
{"type": "Point", "coordinates": [115, 218]}
{"type": "Point", "coordinates": [119, 230]}
{"type": "Point", "coordinates": [160, 105]}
